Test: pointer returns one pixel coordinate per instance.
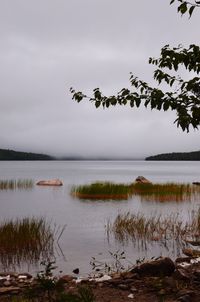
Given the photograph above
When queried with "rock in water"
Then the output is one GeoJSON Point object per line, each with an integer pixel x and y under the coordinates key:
{"type": "Point", "coordinates": [142, 180]}
{"type": "Point", "coordinates": [52, 182]}
{"type": "Point", "coordinates": [76, 271]}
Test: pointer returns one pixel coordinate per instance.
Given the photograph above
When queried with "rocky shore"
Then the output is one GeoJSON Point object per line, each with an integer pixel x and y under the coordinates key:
{"type": "Point", "coordinates": [158, 280]}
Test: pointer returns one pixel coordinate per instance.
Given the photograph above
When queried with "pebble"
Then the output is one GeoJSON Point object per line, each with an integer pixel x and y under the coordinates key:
{"type": "Point", "coordinates": [133, 289]}
{"type": "Point", "coordinates": [123, 286]}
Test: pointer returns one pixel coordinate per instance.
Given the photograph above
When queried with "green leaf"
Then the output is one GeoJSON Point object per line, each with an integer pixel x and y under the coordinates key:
{"type": "Point", "coordinates": [137, 102]}
{"type": "Point", "coordinates": [166, 105]}
{"type": "Point", "coordinates": [183, 8]}
{"type": "Point", "coordinates": [191, 10]}
{"type": "Point", "coordinates": [97, 104]}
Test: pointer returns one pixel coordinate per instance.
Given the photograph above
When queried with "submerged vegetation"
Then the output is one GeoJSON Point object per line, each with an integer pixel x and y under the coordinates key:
{"type": "Point", "coordinates": [13, 184]}
{"type": "Point", "coordinates": [148, 191]}
{"type": "Point", "coordinates": [142, 229]}
{"type": "Point", "coordinates": [25, 240]}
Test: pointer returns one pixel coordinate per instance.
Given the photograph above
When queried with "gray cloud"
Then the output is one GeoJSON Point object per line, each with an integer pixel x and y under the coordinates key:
{"type": "Point", "coordinates": [50, 45]}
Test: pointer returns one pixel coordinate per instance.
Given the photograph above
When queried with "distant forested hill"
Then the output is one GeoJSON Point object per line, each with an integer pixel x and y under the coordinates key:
{"type": "Point", "coordinates": [15, 155]}
{"type": "Point", "coordinates": [176, 156]}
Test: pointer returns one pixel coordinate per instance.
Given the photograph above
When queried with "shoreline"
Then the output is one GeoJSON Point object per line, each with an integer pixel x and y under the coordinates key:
{"type": "Point", "coordinates": [156, 280]}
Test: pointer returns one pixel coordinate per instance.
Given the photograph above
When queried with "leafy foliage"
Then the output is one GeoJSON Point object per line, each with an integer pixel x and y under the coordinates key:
{"type": "Point", "coordinates": [183, 96]}
{"type": "Point", "coordinates": [186, 6]}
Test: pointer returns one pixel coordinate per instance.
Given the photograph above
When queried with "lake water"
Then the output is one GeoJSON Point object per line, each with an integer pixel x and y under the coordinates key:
{"type": "Point", "coordinates": [85, 236]}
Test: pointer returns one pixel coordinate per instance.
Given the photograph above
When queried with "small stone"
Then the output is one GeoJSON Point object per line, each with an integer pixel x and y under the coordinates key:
{"type": "Point", "coordinates": [22, 277]}
{"type": "Point", "coordinates": [131, 296]}
{"type": "Point", "coordinates": [186, 295]}
{"type": "Point", "coordinates": [162, 292]}
{"type": "Point", "coordinates": [103, 278]}
{"type": "Point", "coordinates": [169, 282]}
{"type": "Point", "coordinates": [181, 274]}
{"type": "Point", "coordinates": [25, 276]}
{"type": "Point", "coordinates": [191, 252]}
{"type": "Point", "coordinates": [66, 278]}
{"type": "Point", "coordinates": [183, 259]}
{"type": "Point", "coordinates": [76, 271]}
{"type": "Point", "coordinates": [123, 286]}
{"type": "Point", "coordinates": [116, 276]}
{"type": "Point", "coordinates": [133, 289]}
{"type": "Point", "coordinates": [129, 275]}
{"type": "Point", "coordinates": [197, 274]}
{"type": "Point", "coordinates": [7, 283]}
{"type": "Point", "coordinates": [9, 290]}
{"type": "Point", "coordinates": [185, 298]}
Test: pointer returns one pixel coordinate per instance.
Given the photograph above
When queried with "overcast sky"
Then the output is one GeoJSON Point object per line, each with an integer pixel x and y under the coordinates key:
{"type": "Point", "coordinates": [47, 46]}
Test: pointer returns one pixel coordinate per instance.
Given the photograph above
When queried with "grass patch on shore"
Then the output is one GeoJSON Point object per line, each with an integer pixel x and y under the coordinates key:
{"type": "Point", "coordinates": [101, 190]}
{"type": "Point", "coordinates": [138, 227]}
{"type": "Point", "coordinates": [147, 192]}
{"type": "Point", "coordinates": [12, 184]}
{"type": "Point", "coordinates": [25, 240]}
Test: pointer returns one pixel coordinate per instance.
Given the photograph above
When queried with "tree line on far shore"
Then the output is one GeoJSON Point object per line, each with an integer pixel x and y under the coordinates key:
{"type": "Point", "coordinates": [16, 155]}
{"type": "Point", "coordinates": [176, 156]}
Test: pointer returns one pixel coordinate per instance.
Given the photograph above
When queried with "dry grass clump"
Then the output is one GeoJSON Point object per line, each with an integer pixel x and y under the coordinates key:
{"type": "Point", "coordinates": [165, 192]}
{"type": "Point", "coordinates": [25, 240]}
{"type": "Point", "coordinates": [137, 227]}
{"type": "Point", "coordinates": [13, 184]}
{"type": "Point", "coordinates": [102, 190]}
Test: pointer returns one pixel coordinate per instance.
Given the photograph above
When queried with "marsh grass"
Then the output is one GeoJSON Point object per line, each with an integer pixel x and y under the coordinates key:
{"type": "Point", "coordinates": [25, 240]}
{"type": "Point", "coordinates": [165, 192]}
{"type": "Point", "coordinates": [143, 229]}
{"type": "Point", "coordinates": [101, 190]}
{"type": "Point", "coordinates": [147, 192]}
{"type": "Point", "coordinates": [13, 184]}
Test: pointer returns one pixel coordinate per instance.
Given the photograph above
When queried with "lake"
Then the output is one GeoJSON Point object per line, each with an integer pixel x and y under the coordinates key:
{"type": "Point", "coordinates": [85, 236]}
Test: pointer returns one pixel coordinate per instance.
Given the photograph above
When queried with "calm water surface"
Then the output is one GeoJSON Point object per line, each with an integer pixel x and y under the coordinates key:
{"type": "Point", "coordinates": [85, 234]}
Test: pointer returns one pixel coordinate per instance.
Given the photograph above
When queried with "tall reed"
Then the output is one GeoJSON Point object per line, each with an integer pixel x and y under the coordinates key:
{"type": "Point", "coordinates": [147, 192]}
{"type": "Point", "coordinates": [25, 240]}
{"type": "Point", "coordinates": [13, 184]}
{"type": "Point", "coordinates": [165, 192]}
{"type": "Point", "coordinates": [137, 227]}
{"type": "Point", "coordinates": [101, 190]}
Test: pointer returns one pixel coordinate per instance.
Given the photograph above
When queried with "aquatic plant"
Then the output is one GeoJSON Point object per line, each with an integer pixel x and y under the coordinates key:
{"type": "Point", "coordinates": [101, 190]}
{"type": "Point", "coordinates": [165, 192]}
{"type": "Point", "coordinates": [13, 184]}
{"type": "Point", "coordinates": [25, 240]}
{"type": "Point", "coordinates": [142, 229]}
{"type": "Point", "coordinates": [116, 264]}
{"type": "Point", "coordinates": [147, 192]}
